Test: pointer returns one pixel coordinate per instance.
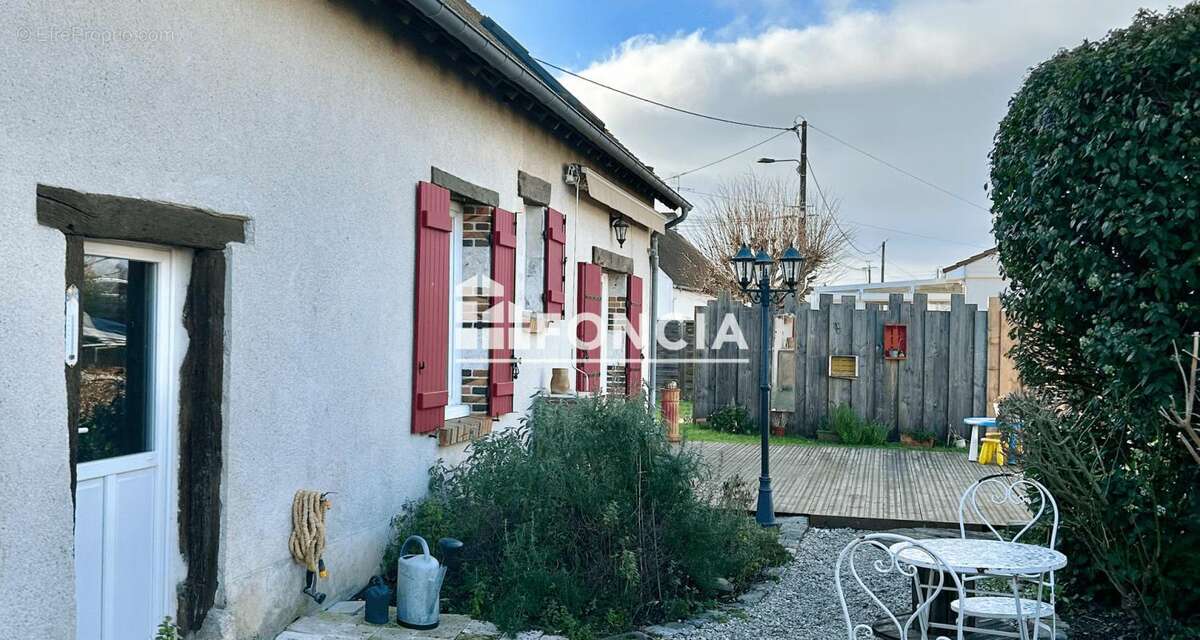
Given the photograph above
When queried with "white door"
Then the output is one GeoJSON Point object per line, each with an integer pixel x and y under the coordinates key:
{"type": "Point", "coordinates": [123, 441]}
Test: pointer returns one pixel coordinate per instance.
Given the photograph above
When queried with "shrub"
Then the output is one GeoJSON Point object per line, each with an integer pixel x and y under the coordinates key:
{"type": "Point", "coordinates": [732, 419]}
{"type": "Point", "coordinates": [846, 424]}
{"type": "Point", "coordinates": [1093, 183]}
{"type": "Point", "coordinates": [874, 434]}
{"type": "Point", "coordinates": [583, 521]}
{"type": "Point", "coordinates": [851, 429]}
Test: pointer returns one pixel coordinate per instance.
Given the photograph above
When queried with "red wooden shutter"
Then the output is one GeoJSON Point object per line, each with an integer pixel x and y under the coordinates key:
{"type": "Point", "coordinates": [504, 277]}
{"type": "Point", "coordinates": [633, 348]}
{"type": "Point", "coordinates": [556, 251]}
{"type": "Point", "coordinates": [588, 286]}
{"type": "Point", "coordinates": [431, 331]}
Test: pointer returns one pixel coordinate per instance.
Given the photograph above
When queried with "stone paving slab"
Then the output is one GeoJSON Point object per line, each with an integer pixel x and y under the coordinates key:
{"type": "Point", "coordinates": [344, 621]}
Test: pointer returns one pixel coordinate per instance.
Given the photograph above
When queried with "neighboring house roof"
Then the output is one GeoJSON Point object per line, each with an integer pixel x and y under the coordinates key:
{"type": "Point", "coordinates": [966, 261]}
{"type": "Point", "coordinates": [682, 261]}
{"type": "Point", "coordinates": [477, 46]}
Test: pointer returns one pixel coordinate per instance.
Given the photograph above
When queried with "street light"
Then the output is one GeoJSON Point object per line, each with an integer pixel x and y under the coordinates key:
{"type": "Point", "coordinates": [754, 273]}
{"type": "Point", "coordinates": [799, 164]}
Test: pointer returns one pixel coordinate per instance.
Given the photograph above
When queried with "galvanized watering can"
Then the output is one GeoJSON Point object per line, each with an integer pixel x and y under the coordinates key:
{"type": "Point", "coordinates": [418, 587]}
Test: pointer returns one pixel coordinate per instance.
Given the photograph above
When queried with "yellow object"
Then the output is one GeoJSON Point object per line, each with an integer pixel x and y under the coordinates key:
{"type": "Point", "coordinates": [990, 449]}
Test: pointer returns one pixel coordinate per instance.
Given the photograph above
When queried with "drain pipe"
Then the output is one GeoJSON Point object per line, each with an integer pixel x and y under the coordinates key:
{"type": "Point", "coordinates": [652, 341]}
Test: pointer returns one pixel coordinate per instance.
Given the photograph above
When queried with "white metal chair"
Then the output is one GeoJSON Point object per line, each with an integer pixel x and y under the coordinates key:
{"type": "Point", "coordinates": [883, 549]}
{"type": "Point", "coordinates": [1009, 489]}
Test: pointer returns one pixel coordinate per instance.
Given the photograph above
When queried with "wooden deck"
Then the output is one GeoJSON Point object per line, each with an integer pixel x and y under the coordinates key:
{"type": "Point", "coordinates": [863, 487]}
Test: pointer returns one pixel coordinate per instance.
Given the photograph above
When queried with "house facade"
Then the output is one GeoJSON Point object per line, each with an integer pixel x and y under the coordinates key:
{"type": "Point", "coordinates": [260, 247]}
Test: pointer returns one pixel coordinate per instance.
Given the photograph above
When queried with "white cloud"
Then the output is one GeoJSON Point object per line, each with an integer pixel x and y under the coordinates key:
{"type": "Point", "coordinates": [922, 84]}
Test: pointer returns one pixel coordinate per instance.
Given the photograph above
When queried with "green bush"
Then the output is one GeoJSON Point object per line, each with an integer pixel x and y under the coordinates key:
{"type": "Point", "coordinates": [846, 424]}
{"type": "Point", "coordinates": [873, 434]}
{"type": "Point", "coordinates": [584, 521]}
{"type": "Point", "coordinates": [732, 419]}
{"type": "Point", "coordinates": [1094, 187]}
{"type": "Point", "coordinates": [851, 429]}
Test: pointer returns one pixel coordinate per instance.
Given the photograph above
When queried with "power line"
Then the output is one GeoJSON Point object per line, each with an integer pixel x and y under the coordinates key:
{"type": "Point", "coordinates": [824, 132]}
{"type": "Point", "coordinates": [695, 220]}
{"type": "Point", "coordinates": [664, 105]}
{"type": "Point", "coordinates": [820, 192]}
{"type": "Point", "coordinates": [732, 155]}
{"type": "Point", "coordinates": [899, 169]}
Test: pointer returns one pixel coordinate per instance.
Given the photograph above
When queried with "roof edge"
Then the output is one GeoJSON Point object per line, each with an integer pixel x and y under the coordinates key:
{"type": "Point", "coordinates": [470, 37]}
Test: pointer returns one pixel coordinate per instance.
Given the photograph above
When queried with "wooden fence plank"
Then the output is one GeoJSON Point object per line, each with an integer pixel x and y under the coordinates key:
{"type": "Point", "coordinates": [799, 420]}
{"type": "Point", "coordinates": [936, 368]}
{"type": "Point", "coordinates": [818, 350]}
{"type": "Point", "coordinates": [862, 389]}
{"type": "Point", "coordinates": [726, 384]}
{"type": "Point", "coordinates": [876, 314]}
{"type": "Point", "coordinates": [891, 371]}
{"type": "Point", "coordinates": [701, 396]}
{"type": "Point", "coordinates": [960, 385]}
{"type": "Point", "coordinates": [747, 372]}
{"type": "Point", "coordinates": [979, 368]}
{"type": "Point", "coordinates": [840, 340]}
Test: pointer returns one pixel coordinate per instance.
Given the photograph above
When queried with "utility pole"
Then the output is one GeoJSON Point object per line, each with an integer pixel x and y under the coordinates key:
{"type": "Point", "coordinates": [804, 166]}
{"type": "Point", "coordinates": [882, 259]}
{"type": "Point", "coordinates": [803, 171]}
{"type": "Point", "coordinates": [867, 268]}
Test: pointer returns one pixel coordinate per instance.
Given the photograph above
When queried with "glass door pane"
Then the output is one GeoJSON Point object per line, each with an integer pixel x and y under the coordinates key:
{"type": "Point", "coordinates": [115, 356]}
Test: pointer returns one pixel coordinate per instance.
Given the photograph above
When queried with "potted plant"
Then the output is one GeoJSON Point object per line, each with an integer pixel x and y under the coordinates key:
{"type": "Point", "coordinates": [779, 423]}
{"type": "Point", "coordinates": [919, 438]}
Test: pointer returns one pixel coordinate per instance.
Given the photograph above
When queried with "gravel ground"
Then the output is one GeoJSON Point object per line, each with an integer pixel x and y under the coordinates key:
{"type": "Point", "coordinates": [803, 605]}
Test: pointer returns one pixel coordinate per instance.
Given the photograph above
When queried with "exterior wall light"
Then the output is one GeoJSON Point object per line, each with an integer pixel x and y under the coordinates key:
{"type": "Point", "coordinates": [621, 228]}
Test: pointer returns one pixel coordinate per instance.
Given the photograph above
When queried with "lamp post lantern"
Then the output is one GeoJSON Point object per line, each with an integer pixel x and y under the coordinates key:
{"type": "Point", "coordinates": [754, 273]}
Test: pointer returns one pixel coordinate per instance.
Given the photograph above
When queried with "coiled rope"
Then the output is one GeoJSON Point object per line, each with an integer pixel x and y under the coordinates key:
{"type": "Point", "coordinates": [307, 541]}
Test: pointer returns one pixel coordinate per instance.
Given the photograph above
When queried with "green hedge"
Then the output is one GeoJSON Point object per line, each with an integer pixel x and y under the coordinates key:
{"type": "Point", "coordinates": [584, 522]}
{"type": "Point", "coordinates": [1096, 188]}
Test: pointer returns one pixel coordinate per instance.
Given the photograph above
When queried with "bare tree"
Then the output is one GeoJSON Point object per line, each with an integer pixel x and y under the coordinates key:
{"type": "Point", "coordinates": [764, 214]}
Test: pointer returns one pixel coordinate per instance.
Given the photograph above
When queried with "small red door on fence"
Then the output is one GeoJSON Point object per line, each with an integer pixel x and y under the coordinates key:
{"type": "Point", "coordinates": [556, 251]}
{"type": "Point", "coordinates": [587, 352]}
{"type": "Point", "coordinates": [431, 329]}
{"type": "Point", "coordinates": [504, 279]}
{"type": "Point", "coordinates": [633, 336]}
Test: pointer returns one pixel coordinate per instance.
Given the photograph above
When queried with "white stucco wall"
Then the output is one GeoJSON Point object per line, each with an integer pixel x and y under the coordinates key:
{"type": "Point", "coordinates": [686, 301]}
{"type": "Point", "coordinates": [318, 127]}
{"type": "Point", "coordinates": [677, 303]}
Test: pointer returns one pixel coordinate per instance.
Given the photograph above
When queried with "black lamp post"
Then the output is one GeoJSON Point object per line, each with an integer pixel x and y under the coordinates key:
{"type": "Point", "coordinates": [754, 272]}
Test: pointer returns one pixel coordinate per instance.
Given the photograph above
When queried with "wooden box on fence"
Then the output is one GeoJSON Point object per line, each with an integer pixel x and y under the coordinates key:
{"type": "Point", "coordinates": [895, 342]}
{"type": "Point", "coordinates": [843, 367]}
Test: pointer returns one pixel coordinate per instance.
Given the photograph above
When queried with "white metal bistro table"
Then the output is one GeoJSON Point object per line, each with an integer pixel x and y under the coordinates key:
{"type": "Point", "coordinates": [986, 557]}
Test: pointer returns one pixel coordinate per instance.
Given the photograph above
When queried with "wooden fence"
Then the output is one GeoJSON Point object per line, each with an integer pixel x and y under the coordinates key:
{"type": "Point", "coordinates": [941, 380]}
{"type": "Point", "coordinates": [677, 365]}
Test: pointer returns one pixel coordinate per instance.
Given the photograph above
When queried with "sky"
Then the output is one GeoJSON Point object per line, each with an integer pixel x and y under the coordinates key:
{"type": "Point", "coordinates": [920, 84]}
